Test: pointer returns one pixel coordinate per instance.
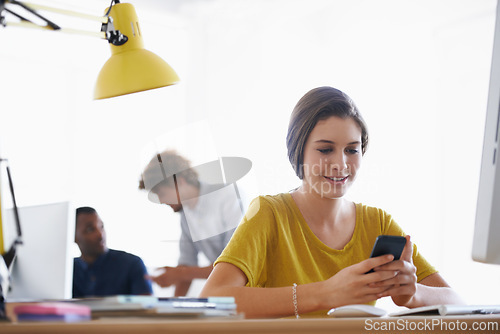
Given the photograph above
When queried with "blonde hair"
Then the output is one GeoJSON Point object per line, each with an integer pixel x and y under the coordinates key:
{"type": "Point", "coordinates": [161, 169]}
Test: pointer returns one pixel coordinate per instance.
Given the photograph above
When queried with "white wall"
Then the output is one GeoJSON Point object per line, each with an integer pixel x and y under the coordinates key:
{"type": "Point", "coordinates": [418, 71]}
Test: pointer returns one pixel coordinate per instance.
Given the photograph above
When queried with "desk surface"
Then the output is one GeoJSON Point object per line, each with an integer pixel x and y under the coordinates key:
{"type": "Point", "coordinates": [480, 324]}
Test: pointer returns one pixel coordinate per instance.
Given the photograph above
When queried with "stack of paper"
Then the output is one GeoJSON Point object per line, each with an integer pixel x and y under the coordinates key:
{"type": "Point", "coordinates": [118, 302]}
{"type": "Point", "coordinates": [150, 306]}
{"type": "Point", "coordinates": [211, 306]}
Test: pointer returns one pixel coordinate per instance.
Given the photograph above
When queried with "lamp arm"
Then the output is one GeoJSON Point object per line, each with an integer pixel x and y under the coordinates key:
{"type": "Point", "coordinates": [13, 13]}
{"type": "Point", "coordinates": [23, 24]}
{"type": "Point", "coordinates": [107, 31]}
{"type": "Point", "coordinates": [102, 19]}
{"type": "Point", "coordinates": [32, 11]}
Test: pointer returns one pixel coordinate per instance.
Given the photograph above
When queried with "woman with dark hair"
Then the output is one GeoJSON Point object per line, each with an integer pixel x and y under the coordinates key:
{"type": "Point", "coordinates": [308, 250]}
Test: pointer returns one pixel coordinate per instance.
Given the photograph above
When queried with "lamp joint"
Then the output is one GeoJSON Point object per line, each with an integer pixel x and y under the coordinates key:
{"type": "Point", "coordinates": [113, 36]}
{"type": "Point", "coordinates": [3, 22]}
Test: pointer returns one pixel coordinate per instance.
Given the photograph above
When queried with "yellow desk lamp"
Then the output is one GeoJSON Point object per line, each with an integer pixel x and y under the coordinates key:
{"type": "Point", "coordinates": [130, 69]}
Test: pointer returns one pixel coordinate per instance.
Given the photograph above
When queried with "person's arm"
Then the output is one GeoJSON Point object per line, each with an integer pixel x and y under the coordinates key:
{"type": "Point", "coordinates": [434, 290]}
{"type": "Point", "coordinates": [186, 276]}
{"type": "Point", "coordinates": [188, 252]}
{"type": "Point", "coordinates": [182, 288]}
{"type": "Point", "coordinates": [180, 274]}
{"type": "Point", "coordinates": [404, 289]}
{"type": "Point", "coordinates": [349, 286]}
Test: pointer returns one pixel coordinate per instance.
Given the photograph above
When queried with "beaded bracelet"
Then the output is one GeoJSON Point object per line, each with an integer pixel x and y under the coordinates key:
{"type": "Point", "coordinates": [294, 299]}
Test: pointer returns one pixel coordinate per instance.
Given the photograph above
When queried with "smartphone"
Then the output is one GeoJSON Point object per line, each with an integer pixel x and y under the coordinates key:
{"type": "Point", "coordinates": [388, 244]}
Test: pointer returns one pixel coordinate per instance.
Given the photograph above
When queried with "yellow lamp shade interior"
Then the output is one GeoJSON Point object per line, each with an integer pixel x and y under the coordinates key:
{"type": "Point", "coordinates": [131, 68]}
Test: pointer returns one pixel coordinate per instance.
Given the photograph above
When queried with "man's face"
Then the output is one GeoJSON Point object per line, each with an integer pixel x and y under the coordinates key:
{"type": "Point", "coordinates": [90, 235]}
{"type": "Point", "coordinates": [168, 195]}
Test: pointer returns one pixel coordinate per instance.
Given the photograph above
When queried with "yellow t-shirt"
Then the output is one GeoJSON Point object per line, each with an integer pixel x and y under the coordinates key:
{"type": "Point", "coordinates": [275, 247]}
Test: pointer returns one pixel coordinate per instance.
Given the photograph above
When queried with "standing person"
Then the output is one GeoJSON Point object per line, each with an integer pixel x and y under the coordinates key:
{"type": "Point", "coordinates": [307, 251]}
{"type": "Point", "coordinates": [101, 271]}
{"type": "Point", "coordinates": [209, 214]}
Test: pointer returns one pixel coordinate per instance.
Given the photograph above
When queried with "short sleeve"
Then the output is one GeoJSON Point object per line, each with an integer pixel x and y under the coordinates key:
{"type": "Point", "coordinates": [250, 244]}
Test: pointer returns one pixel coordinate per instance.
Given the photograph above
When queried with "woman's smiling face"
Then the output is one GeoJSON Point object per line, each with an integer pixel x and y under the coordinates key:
{"type": "Point", "coordinates": [332, 156]}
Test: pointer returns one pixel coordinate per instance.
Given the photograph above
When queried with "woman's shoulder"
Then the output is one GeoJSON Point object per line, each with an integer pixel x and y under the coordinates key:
{"type": "Point", "coordinates": [372, 212]}
{"type": "Point", "coordinates": [269, 204]}
{"type": "Point", "coordinates": [276, 201]}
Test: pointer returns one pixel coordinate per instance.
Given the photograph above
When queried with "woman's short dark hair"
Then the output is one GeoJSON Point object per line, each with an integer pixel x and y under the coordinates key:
{"type": "Point", "coordinates": [319, 104]}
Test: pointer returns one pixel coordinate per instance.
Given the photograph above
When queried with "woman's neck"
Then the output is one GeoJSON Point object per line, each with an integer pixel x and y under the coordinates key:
{"type": "Point", "coordinates": [318, 209]}
{"type": "Point", "coordinates": [332, 220]}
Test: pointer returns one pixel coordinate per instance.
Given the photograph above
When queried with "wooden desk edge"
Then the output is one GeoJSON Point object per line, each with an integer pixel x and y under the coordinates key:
{"type": "Point", "coordinates": [261, 326]}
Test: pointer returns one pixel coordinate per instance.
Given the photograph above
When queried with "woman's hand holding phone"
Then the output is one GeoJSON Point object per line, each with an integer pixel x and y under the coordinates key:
{"type": "Point", "coordinates": [351, 285]}
{"type": "Point", "coordinates": [403, 286]}
{"type": "Point", "coordinates": [357, 284]}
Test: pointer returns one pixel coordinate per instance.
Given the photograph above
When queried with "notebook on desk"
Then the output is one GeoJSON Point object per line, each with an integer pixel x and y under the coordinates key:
{"type": "Point", "coordinates": [364, 311]}
{"type": "Point", "coordinates": [444, 310]}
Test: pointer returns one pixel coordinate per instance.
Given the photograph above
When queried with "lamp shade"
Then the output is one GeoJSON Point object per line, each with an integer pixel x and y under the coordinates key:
{"type": "Point", "coordinates": [131, 68]}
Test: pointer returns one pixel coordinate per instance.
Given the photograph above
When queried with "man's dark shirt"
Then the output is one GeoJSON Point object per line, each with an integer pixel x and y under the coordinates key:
{"type": "Point", "coordinates": [113, 273]}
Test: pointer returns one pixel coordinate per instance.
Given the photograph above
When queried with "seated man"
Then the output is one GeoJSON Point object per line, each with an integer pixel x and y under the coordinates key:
{"type": "Point", "coordinates": [100, 271]}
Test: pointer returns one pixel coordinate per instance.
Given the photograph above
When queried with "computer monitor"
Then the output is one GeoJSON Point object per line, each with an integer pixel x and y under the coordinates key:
{"type": "Point", "coordinates": [43, 268]}
{"type": "Point", "coordinates": [486, 242]}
